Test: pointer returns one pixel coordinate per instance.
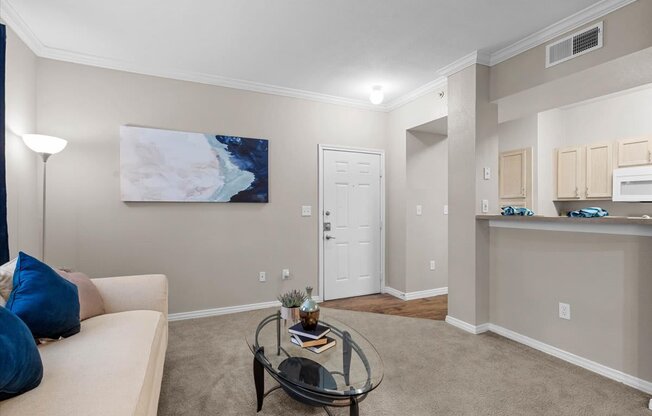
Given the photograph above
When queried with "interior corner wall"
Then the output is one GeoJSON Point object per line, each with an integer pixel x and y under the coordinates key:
{"type": "Point", "coordinates": [472, 144]}
{"type": "Point", "coordinates": [211, 252]}
{"type": "Point", "coordinates": [422, 110]}
{"type": "Point", "coordinates": [427, 233]}
{"type": "Point", "coordinates": [23, 202]}
{"type": "Point", "coordinates": [461, 194]}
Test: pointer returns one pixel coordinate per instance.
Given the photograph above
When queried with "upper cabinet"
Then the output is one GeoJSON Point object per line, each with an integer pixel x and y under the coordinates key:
{"type": "Point", "coordinates": [599, 170]}
{"type": "Point", "coordinates": [513, 174]}
{"type": "Point", "coordinates": [585, 172]}
{"type": "Point", "coordinates": [633, 152]}
{"type": "Point", "coordinates": [515, 178]}
{"type": "Point", "coordinates": [569, 172]}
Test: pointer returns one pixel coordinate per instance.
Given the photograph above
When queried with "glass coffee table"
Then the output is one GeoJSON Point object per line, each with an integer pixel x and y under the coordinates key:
{"type": "Point", "coordinates": [341, 376]}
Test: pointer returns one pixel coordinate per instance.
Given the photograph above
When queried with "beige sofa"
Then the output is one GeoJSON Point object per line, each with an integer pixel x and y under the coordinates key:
{"type": "Point", "coordinates": [114, 366]}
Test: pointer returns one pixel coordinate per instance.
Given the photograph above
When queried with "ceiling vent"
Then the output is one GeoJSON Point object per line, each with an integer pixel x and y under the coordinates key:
{"type": "Point", "coordinates": [574, 45]}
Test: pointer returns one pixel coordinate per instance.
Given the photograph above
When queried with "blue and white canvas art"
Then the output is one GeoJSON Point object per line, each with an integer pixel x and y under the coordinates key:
{"type": "Point", "coordinates": [174, 166]}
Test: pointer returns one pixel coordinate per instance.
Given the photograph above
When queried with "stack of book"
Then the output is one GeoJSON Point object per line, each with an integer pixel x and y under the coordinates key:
{"type": "Point", "coordinates": [315, 340]}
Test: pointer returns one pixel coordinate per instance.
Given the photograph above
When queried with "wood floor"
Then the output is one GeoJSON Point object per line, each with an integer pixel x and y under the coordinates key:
{"type": "Point", "coordinates": [434, 308]}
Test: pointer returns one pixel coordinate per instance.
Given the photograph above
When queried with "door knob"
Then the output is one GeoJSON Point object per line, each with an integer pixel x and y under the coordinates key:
{"type": "Point", "coordinates": [330, 237]}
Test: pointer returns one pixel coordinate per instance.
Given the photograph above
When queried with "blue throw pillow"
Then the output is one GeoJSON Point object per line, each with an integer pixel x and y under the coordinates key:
{"type": "Point", "coordinates": [45, 301]}
{"type": "Point", "coordinates": [20, 367]}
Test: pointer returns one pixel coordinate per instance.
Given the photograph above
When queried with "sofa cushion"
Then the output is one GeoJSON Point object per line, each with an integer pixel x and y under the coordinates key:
{"type": "Point", "coordinates": [104, 370]}
{"type": "Point", "coordinates": [90, 300]}
{"type": "Point", "coordinates": [46, 302]}
{"type": "Point", "coordinates": [20, 363]}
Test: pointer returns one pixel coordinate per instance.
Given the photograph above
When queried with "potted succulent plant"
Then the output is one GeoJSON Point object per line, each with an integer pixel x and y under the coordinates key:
{"type": "Point", "coordinates": [290, 302]}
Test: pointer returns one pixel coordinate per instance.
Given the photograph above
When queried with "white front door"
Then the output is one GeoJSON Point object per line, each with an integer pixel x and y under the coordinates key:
{"type": "Point", "coordinates": [351, 210]}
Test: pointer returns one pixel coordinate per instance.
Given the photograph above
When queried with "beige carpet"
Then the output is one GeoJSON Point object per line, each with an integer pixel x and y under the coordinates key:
{"type": "Point", "coordinates": [431, 368]}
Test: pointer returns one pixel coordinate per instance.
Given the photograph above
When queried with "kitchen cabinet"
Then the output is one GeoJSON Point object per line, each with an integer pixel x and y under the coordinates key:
{"type": "Point", "coordinates": [515, 178]}
{"type": "Point", "coordinates": [599, 170]}
{"type": "Point", "coordinates": [570, 167]}
{"type": "Point", "coordinates": [634, 152]}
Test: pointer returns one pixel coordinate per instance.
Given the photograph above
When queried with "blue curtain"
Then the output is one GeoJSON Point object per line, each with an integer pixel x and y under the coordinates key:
{"type": "Point", "coordinates": [4, 237]}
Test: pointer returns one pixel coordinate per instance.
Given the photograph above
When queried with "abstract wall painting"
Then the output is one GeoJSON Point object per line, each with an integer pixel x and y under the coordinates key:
{"type": "Point", "coordinates": [173, 166]}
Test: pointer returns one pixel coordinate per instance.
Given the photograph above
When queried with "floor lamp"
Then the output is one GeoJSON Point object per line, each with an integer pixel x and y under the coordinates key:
{"type": "Point", "coordinates": [45, 146]}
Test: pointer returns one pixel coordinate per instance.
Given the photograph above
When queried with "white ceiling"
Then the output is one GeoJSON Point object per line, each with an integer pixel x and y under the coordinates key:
{"type": "Point", "coordinates": [335, 47]}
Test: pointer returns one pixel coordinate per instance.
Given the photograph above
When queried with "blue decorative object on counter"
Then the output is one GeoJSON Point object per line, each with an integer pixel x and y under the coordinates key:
{"type": "Point", "coordinates": [591, 212]}
{"type": "Point", "coordinates": [523, 212]}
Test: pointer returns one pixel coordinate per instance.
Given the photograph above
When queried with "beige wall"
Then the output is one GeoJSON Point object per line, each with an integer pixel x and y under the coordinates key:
{"type": "Point", "coordinates": [427, 234]}
{"type": "Point", "coordinates": [23, 197]}
{"type": "Point", "coordinates": [472, 136]}
{"type": "Point", "coordinates": [621, 74]}
{"type": "Point", "coordinates": [605, 279]}
{"type": "Point", "coordinates": [626, 30]}
{"type": "Point", "coordinates": [550, 128]}
{"type": "Point", "coordinates": [420, 111]}
{"type": "Point", "coordinates": [212, 253]}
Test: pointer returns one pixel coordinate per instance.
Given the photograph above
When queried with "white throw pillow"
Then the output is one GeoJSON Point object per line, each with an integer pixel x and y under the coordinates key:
{"type": "Point", "coordinates": [7, 278]}
{"type": "Point", "coordinates": [2, 301]}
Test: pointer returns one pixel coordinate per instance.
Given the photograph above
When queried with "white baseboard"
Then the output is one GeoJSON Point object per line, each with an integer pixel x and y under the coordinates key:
{"type": "Point", "coordinates": [473, 329]}
{"type": "Point", "coordinates": [415, 295]}
{"type": "Point", "coordinates": [227, 310]}
{"type": "Point", "coordinates": [603, 370]}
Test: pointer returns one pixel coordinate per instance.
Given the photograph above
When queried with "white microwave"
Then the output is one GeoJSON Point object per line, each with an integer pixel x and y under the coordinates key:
{"type": "Point", "coordinates": [633, 184]}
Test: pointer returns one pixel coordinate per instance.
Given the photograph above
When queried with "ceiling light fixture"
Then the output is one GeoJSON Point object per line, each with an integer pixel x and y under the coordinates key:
{"type": "Point", "coordinates": [377, 95]}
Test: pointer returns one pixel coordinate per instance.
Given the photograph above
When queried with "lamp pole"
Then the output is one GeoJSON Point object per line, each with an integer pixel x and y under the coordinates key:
{"type": "Point", "coordinates": [45, 157]}
{"type": "Point", "coordinates": [45, 146]}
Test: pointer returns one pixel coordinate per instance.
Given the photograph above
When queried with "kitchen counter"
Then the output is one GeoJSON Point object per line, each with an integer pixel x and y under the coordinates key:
{"type": "Point", "coordinates": [566, 220]}
{"type": "Point", "coordinates": [606, 225]}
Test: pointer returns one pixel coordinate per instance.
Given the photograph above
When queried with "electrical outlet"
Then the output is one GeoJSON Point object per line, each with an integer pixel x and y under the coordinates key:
{"type": "Point", "coordinates": [419, 210]}
{"type": "Point", "coordinates": [285, 274]}
{"type": "Point", "coordinates": [487, 174]}
{"type": "Point", "coordinates": [564, 311]}
{"type": "Point", "coordinates": [485, 206]}
{"type": "Point", "coordinates": [262, 277]}
{"type": "Point", "coordinates": [445, 209]}
{"type": "Point", "coordinates": [432, 265]}
{"type": "Point", "coordinates": [306, 210]}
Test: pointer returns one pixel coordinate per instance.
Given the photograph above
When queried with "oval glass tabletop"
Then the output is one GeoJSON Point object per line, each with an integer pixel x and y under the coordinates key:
{"type": "Point", "coordinates": [351, 367]}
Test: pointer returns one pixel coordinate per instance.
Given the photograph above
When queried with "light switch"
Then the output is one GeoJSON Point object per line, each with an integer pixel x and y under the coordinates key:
{"type": "Point", "coordinates": [487, 174]}
{"type": "Point", "coordinates": [485, 205]}
{"type": "Point", "coordinates": [419, 209]}
{"type": "Point", "coordinates": [445, 209]}
{"type": "Point", "coordinates": [306, 211]}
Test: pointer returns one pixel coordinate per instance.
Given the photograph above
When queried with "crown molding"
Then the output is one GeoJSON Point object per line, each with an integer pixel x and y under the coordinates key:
{"type": "Point", "coordinates": [432, 86]}
{"type": "Point", "coordinates": [109, 63]}
{"type": "Point", "coordinates": [18, 25]}
{"type": "Point", "coordinates": [598, 10]}
{"type": "Point", "coordinates": [563, 26]}
{"type": "Point", "coordinates": [475, 57]}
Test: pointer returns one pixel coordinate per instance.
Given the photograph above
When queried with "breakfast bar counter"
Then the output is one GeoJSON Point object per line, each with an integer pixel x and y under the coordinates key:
{"type": "Point", "coordinates": [604, 225]}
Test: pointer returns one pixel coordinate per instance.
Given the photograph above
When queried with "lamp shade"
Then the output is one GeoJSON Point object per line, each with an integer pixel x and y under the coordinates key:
{"type": "Point", "coordinates": [44, 144]}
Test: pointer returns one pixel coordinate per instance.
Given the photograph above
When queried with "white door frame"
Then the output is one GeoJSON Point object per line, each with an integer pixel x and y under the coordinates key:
{"type": "Point", "coordinates": [381, 153]}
